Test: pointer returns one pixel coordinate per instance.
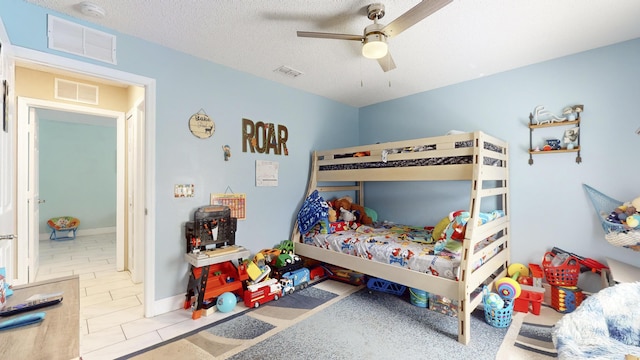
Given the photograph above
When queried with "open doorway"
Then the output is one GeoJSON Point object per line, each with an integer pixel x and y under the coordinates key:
{"type": "Point", "coordinates": [116, 165]}
{"type": "Point", "coordinates": [79, 176]}
{"type": "Point", "coordinates": [144, 186]}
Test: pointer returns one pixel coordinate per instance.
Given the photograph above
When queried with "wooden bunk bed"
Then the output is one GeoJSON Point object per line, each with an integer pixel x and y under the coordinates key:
{"type": "Point", "coordinates": [477, 157]}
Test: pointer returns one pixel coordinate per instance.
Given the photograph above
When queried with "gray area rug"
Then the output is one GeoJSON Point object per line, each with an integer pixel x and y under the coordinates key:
{"type": "Point", "coordinates": [373, 325]}
{"type": "Point", "coordinates": [529, 337]}
{"type": "Point", "coordinates": [318, 324]}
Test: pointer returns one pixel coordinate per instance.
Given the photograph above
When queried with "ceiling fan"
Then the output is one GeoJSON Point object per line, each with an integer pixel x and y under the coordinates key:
{"type": "Point", "coordinates": [374, 39]}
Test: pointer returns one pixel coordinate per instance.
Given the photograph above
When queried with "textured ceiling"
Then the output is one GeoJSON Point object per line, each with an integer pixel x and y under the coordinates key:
{"type": "Point", "coordinates": [465, 40]}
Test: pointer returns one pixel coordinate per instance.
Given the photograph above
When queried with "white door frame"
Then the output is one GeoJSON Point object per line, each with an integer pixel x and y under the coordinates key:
{"type": "Point", "coordinates": [8, 233]}
{"type": "Point", "coordinates": [27, 180]}
{"type": "Point", "coordinates": [147, 209]}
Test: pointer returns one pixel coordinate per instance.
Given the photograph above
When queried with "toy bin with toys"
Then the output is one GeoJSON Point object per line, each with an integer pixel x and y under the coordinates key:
{"type": "Point", "coordinates": [561, 269]}
{"type": "Point", "coordinates": [385, 286]}
{"type": "Point", "coordinates": [443, 305]}
{"type": "Point", "coordinates": [498, 308]}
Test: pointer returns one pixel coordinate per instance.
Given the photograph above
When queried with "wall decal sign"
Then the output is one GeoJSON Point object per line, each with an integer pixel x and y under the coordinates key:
{"type": "Point", "coordinates": [263, 137]}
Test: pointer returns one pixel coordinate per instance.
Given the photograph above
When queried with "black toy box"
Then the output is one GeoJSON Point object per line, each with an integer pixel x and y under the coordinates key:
{"type": "Point", "coordinates": [212, 227]}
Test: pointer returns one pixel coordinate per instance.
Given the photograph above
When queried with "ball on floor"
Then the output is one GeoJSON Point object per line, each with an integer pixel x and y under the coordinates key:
{"type": "Point", "coordinates": [226, 302]}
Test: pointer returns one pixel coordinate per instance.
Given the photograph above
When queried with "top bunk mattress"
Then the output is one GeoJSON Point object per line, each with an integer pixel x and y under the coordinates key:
{"type": "Point", "coordinates": [420, 154]}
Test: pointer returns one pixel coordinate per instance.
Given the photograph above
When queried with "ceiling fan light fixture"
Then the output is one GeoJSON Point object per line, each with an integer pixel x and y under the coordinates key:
{"type": "Point", "coordinates": [375, 46]}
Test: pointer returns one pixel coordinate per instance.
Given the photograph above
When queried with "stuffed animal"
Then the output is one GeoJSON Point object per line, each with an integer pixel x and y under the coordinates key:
{"type": "Point", "coordinates": [626, 214]}
{"type": "Point", "coordinates": [346, 215]}
{"type": "Point", "coordinates": [356, 209]}
{"type": "Point", "coordinates": [333, 216]}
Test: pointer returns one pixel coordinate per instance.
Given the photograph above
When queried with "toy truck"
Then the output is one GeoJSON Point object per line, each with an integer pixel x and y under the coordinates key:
{"type": "Point", "coordinates": [260, 293]}
{"type": "Point", "coordinates": [297, 279]}
{"type": "Point", "coordinates": [285, 263]}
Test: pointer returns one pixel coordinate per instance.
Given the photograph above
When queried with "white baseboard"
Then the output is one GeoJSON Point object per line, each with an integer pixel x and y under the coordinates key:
{"type": "Point", "coordinates": [167, 305]}
{"type": "Point", "coordinates": [83, 232]}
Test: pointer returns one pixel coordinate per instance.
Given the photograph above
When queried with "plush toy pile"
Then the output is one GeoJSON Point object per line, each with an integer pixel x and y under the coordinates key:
{"type": "Point", "coordinates": [626, 214]}
{"type": "Point", "coordinates": [346, 210]}
{"type": "Point", "coordinates": [331, 216]}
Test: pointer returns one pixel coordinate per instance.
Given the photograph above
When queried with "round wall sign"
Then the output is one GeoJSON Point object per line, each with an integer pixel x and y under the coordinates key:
{"type": "Point", "coordinates": [201, 125]}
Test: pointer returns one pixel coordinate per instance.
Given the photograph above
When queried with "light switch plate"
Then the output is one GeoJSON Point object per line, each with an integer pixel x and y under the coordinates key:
{"type": "Point", "coordinates": [183, 190]}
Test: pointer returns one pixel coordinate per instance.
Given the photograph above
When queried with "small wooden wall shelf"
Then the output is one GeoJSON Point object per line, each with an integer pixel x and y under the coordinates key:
{"type": "Point", "coordinates": [576, 149]}
{"type": "Point", "coordinates": [533, 126]}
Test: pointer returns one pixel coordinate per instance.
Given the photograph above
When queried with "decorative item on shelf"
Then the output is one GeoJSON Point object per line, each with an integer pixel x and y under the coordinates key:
{"type": "Point", "coordinates": [543, 116]}
{"type": "Point", "coordinates": [201, 125]}
{"type": "Point", "coordinates": [571, 137]}
{"type": "Point", "coordinates": [552, 144]}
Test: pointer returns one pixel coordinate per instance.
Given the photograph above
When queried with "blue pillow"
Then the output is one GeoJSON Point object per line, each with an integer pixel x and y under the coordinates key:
{"type": "Point", "coordinates": [313, 210]}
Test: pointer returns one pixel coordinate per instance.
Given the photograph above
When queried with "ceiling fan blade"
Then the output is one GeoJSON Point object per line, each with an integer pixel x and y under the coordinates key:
{"type": "Point", "coordinates": [322, 35]}
{"type": "Point", "coordinates": [386, 62]}
{"type": "Point", "coordinates": [413, 16]}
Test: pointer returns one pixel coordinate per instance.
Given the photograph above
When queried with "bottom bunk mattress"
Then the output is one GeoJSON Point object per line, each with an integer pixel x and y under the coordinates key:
{"type": "Point", "coordinates": [406, 246]}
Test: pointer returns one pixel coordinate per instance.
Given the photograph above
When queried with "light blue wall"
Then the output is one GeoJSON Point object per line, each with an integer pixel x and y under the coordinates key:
{"type": "Point", "coordinates": [548, 205]}
{"type": "Point", "coordinates": [185, 85]}
{"type": "Point", "coordinates": [77, 173]}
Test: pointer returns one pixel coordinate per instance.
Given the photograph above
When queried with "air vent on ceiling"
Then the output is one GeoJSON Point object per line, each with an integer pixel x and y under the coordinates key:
{"type": "Point", "coordinates": [285, 70]}
{"type": "Point", "coordinates": [81, 40]}
{"type": "Point", "coordinates": [75, 91]}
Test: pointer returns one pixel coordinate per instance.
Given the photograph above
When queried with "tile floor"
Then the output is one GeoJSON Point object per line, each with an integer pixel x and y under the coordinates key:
{"type": "Point", "coordinates": [112, 321]}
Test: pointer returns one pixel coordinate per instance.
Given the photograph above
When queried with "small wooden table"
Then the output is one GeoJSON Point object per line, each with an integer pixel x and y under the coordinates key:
{"type": "Point", "coordinates": [57, 336]}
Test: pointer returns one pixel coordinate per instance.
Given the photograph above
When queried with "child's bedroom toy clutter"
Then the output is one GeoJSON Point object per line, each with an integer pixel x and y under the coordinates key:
{"type": "Point", "coordinates": [217, 284]}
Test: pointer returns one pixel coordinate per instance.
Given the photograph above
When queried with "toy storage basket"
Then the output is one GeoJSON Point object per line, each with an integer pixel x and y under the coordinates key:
{"type": "Point", "coordinates": [615, 233]}
{"type": "Point", "coordinates": [499, 318]}
{"type": "Point", "coordinates": [564, 274]}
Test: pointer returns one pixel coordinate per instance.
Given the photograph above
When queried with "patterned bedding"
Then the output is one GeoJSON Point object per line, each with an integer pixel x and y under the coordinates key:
{"type": "Point", "coordinates": [417, 162]}
{"type": "Point", "coordinates": [400, 245]}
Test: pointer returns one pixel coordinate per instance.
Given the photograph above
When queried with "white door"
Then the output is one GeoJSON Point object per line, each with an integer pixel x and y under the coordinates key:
{"type": "Point", "coordinates": [135, 199]}
{"type": "Point", "coordinates": [33, 196]}
{"type": "Point", "coordinates": [7, 168]}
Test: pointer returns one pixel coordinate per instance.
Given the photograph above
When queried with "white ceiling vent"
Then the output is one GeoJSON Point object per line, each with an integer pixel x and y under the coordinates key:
{"type": "Point", "coordinates": [285, 70]}
{"type": "Point", "coordinates": [75, 91]}
{"type": "Point", "coordinates": [80, 40]}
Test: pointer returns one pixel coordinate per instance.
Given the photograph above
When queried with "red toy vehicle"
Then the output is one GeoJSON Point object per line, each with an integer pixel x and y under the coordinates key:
{"type": "Point", "coordinates": [260, 293]}
{"type": "Point", "coordinates": [317, 273]}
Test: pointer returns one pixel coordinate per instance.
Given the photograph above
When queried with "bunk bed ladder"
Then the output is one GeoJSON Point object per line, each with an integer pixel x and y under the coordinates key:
{"type": "Point", "coordinates": [465, 287]}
